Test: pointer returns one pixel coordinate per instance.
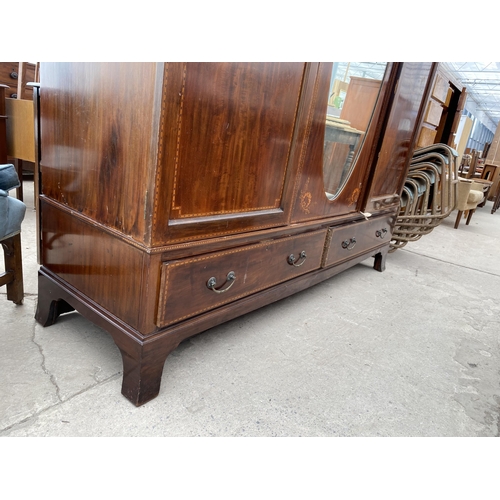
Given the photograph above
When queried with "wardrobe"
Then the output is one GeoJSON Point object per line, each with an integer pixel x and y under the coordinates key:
{"type": "Point", "coordinates": [177, 196]}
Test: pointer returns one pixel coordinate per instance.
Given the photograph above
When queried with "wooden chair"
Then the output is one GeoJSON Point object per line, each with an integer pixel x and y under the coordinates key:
{"type": "Point", "coordinates": [496, 200]}
{"type": "Point", "coordinates": [471, 192]}
{"type": "Point", "coordinates": [12, 212]}
{"type": "Point", "coordinates": [490, 174]}
{"type": "Point", "coordinates": [489, 171]}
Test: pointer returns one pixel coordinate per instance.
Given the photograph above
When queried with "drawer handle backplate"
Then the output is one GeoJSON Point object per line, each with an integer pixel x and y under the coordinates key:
{"type": "Point", "coordinates": [349, 244]}
{"type": "Point", "coordinates": [293, 261]}
{"type": "Point", "coordinates": [230, 278]}
{"type": "Point", "coordinates": [381, 233]}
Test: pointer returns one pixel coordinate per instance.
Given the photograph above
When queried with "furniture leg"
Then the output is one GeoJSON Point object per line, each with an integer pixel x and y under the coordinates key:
{"type": "Point", "coordinates": [380, 258]}
{"type": "Point", "coordinates": [496, 200]}
{"type": "Point", "coordinates": [143, 360]}
{"type": "Point", "coordinates": [49, 306]}
{"type": "Point", "coordinates": [13, 276]}
{"type": "Point", "coordinates": [459, 216]}
{"type": "Point", "coordinates": [19, 167]}
{"type": "Point", "coordinates": [142, 370]}
{"type": "Point", "coordinates": [469, 217]}
{"type": "Point", "coordinates": [48, 311]}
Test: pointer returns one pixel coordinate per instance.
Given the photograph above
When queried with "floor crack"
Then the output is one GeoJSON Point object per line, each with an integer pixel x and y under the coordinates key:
{"type": "Point", "coordinates": [44, 368]}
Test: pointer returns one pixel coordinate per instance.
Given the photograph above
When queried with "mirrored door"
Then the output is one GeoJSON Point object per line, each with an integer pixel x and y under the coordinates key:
{"type": "Point", "coordinates": [354, 90]}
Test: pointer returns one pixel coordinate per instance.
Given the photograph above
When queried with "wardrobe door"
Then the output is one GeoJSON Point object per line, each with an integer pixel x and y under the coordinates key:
{"type": "Point", "coordinates": [400, 135]}
{"type": "Point", "coordinates": [226, 139]}
{"type": "Point", "coordinates": [346, 122]}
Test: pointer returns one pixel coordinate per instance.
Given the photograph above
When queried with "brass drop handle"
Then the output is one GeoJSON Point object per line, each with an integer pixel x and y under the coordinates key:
{"type": "Point", "coordinates": [293, 261]}
{"type": "Point", "coordinates": [381, 233]}
{"type": "Point", "coordinates": [230, 278]}
{"type": "Point", "coordinates": [349, 244]}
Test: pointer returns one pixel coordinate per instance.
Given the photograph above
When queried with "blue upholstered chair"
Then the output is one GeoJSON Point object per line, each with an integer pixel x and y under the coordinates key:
{"type": "Point", "coordinates": [12, 213]}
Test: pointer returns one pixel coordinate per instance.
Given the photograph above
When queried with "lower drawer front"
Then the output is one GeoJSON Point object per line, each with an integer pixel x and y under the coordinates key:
{"type": "Point", "coordinates": [346, 242]}
{"type": "Point", "coordinates": [193, 286]}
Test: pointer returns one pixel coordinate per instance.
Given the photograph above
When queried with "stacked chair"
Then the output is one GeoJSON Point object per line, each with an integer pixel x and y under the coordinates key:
{"type": "Point", "coordinates": [429, 194]}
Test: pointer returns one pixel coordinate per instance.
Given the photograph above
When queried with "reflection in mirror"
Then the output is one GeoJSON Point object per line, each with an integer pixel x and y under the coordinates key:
{"type": "Point", "coordinates": [354, 88]}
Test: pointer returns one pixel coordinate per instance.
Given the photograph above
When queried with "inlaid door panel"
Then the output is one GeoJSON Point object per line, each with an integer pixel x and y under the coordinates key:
{"type": "Point", "coordinates": [226, 142]}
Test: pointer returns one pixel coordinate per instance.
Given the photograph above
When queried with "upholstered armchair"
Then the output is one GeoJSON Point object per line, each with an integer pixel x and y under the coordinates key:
{"type": "Point", "coordinates": [470, 195]}
{"type": "Point", "coordinates": [12, 213]}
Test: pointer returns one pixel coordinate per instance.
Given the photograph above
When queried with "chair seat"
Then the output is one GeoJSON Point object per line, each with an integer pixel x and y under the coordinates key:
{"type": "Point", "coordinates": [12, 213]}
{"type": "Point", "coordinates": [475, 197]}
{"type": "Point", "coordinates": [12, 210]}
{"type": "Point", "coordinates": [8, 177]}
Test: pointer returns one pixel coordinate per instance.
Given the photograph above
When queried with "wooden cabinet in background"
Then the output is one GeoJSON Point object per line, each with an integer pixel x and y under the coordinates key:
{"type": "Point", "coordinates": [443, 109]}
{"type": "Point", "coordinates": [360, 101]}
{"type": "Point", "coordinates": [168, 211]}
{"type": "Point", "coordinates": [11, 73]}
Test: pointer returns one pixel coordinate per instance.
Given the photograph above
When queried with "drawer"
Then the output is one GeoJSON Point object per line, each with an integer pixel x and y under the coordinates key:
{"type": "Point", "coordinates": [193, 286]}
{"type": "Point", "coordinates": [9, 68]}
{"type": "Point", "coordinates": [6, 69]}
{"type": "Point", "coordinates": [10, 92]}
{"type": "Point", "coordinates": [345, 242]}
{"type": "Point", "coordinates": [433, 113]}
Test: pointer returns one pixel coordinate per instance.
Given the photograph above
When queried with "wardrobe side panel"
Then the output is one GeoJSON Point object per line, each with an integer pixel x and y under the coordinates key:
{"type": "Point", "coordinates": [98, 140]}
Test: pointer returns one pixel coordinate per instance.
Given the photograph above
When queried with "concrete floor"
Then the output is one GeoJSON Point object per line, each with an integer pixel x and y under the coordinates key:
{"type": "Point", "coordinates": [413, 351]}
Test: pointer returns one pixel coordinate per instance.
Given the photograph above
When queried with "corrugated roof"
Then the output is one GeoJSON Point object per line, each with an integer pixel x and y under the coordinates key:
{"type": "Point", "coordinates": [482, 80]}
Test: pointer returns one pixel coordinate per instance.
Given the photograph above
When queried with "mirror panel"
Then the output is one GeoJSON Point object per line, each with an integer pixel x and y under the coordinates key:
{"type": "Point", "coordinates": [354, 89]}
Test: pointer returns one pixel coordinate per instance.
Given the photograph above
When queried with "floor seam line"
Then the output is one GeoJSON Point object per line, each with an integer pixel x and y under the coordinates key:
{"type": "Point", "coordinates": [452, 263]}
{"type": "Point", "coordinates": [60, 402]}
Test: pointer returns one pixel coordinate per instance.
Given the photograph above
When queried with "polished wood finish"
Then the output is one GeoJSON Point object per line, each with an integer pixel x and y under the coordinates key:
{"type": "Point", "coordinates": [229, 146]}
{"type": "Point", "coordinates": [232, 108]}
{"type": "Point", "coordinates": [36, 176]}
{"type": "Point", "coordinates": [156, 178]}
{"type": "Point", "coordinates": [384, 182]}
{"type": "Point", "coordinates": [184, 284]}
{"type": "Point", "coordinates": [345, 242]}
{"type": "Point", "coordinates": [83, 164]}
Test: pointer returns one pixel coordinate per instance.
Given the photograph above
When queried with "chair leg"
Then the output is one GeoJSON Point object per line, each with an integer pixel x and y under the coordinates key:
{"type": "Point", "coordinates": [14, 266]}
{"type": "Point", "coordinates": [19, 167]}
{"type": "Point", "coordinates": [469, 217]}
{"type": "Point", "coordinates": [459, 216]}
